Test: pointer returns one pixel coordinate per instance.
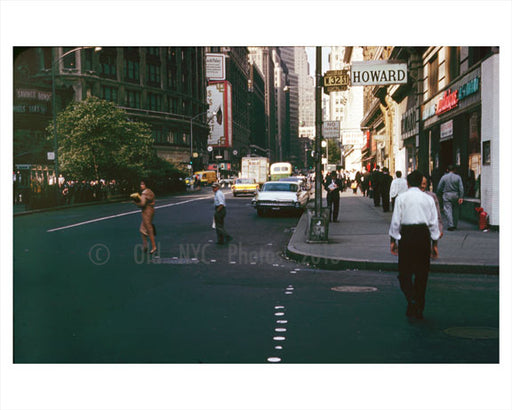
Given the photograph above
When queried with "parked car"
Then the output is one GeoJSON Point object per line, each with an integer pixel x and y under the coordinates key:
{"type": "Point", "coordinates": [303, 183]}
{"type": "Point", "coordinates": [280, 195]}
{"type": "Point", "coordinates": [244, 186]}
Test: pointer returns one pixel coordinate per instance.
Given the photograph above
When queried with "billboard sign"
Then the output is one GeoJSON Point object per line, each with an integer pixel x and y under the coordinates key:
{"type": "Point", "coordinates": [215, 67]}
{"type": "Point", "coordinates": [219, 114]}
{"type": "Point", "coordinates": [378, 73]}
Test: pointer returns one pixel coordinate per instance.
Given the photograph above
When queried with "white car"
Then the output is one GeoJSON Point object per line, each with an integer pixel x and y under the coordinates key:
{"type": "Point", "coordinates": [280, 195]}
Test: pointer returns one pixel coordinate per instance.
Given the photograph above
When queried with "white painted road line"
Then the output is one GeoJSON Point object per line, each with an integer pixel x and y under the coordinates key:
{"type": "Point", "coordinates": [123, 214]}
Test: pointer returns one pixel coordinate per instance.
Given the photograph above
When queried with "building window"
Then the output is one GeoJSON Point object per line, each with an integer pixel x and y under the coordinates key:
{"type": "Point", "coordinates": [109, 93]}
{"type": "Point", "coordinates": [69, 62]}
{"type": "Point", "coordinates": [173, 105]}
{"type": "Point", "coordinates": [153, 51]}
{"type": "Point", "coordinates": [131, 71]}
{"type": "Point", "coordinates": [87, 60]}
{"type": "Point", "coordinates": [108, 63]}
{"type": "Point", "coordinates": [477, 54]}
{"type": "Point", "coordinates": [452, 63]}
{"type": "Point", "coordinates": [133, 99]}
{"type": "Point", "coordinates": [155, 102]}
{"type": "Point", "coordinates": [433, 76]}
{"type": "Point", "coordinates": [153, 74]}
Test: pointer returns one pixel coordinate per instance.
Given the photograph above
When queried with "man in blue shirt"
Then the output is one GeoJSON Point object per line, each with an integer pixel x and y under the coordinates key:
{"type": "Point", "coordinates": [220, 213]}
{"type": "Point", "coordinates": [451, 190]}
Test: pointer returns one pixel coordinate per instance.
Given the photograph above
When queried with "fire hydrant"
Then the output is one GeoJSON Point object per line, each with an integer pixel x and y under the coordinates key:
{"type": "Point", "coordinates": [483, 219]}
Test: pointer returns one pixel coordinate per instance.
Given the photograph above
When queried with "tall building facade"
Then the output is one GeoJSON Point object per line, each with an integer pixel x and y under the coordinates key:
{"type": "Point", "coordinates": [347, 108]}
{"type": "Point", "coordinates": [262, 58]}
{"type": "Point", "coordinates": [227, 158]}
{"type": "Point", "coordinates": [296, 149]}
{"type": "Point", "coordinates": [164, 87]}
{"type": "Point", "coordinates": [445, 114]}
{"type": "Point", "coordinates": [282, 97]}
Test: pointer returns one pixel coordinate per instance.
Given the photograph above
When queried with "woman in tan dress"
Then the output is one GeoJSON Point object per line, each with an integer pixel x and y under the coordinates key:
{"type": "Point", "coordinates": [147, 204]}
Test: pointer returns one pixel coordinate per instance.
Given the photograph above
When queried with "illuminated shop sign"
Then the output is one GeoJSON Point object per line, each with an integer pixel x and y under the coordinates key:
{"type": "Point", "coordinates": [448, 102]}
{"type": "Point", "coordinates": [469, 88]}
{"type": "Point", "coordinates": [449, 99]}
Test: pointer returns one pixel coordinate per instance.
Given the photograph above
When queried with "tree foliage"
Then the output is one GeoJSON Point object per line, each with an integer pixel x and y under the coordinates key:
{"type": "Point", "coordinates": [97, 140]}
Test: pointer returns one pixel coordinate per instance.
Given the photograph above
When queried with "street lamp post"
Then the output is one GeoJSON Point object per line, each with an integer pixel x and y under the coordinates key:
{"type": "Point", "coordinates": [54, 110]}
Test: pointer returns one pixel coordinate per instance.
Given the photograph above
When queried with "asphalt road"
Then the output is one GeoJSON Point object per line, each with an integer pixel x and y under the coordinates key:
{"type": "Point", "coordinates": [84, 293]}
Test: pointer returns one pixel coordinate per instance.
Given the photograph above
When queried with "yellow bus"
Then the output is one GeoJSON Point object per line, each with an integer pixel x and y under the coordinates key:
{"type": "Point", "coordinates": [280, 170]}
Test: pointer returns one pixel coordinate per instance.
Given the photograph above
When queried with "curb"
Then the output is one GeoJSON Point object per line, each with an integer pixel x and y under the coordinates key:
{"type": "Point", "coordinates": [331, 263]}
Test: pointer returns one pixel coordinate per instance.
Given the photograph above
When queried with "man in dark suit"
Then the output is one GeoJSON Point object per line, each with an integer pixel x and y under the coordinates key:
{"type": "Point", "coordinates": [332, 185]}
{"type": "Point", "coordinates": [375, 178]}
{"type": "Point", "coordinates": [385, 185]}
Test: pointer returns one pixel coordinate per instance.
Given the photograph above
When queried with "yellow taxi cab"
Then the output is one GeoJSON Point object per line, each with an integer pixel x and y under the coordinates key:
{"type": "Point", "coordinates": [244, 186]}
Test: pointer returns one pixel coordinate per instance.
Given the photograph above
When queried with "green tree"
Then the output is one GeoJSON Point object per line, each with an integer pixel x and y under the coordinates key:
{"type": "Point", "coordinates": [334, 151]}
{"type": "Point", "coordinates": [97, 140]}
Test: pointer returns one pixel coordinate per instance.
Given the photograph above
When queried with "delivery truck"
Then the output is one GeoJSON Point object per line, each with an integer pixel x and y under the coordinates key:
{"type": "Point", "coordinates": [255, 168]}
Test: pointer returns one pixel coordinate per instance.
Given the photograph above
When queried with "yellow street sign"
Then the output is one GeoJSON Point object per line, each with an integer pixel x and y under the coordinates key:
{"type": "Point", "coordinates": [336, 80]}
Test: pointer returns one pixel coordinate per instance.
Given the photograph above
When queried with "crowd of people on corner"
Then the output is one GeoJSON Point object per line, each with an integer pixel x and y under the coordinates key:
{"type": "Point", "coordinates": [40, 193]}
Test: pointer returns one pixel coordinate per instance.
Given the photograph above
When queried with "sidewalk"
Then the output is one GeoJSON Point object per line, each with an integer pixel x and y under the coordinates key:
{"type": "Point", "coordinates": [361, 241]}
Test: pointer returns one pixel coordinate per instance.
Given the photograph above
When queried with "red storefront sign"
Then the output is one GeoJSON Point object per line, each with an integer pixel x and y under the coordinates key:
{"type": "Point", "coordinates": [447, 102]}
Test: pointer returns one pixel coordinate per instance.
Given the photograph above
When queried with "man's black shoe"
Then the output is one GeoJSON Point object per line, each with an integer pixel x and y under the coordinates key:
{"type": "Point", "coordinates": [451, 228]}
{"type": "Point", "coordinates": [411, 310]}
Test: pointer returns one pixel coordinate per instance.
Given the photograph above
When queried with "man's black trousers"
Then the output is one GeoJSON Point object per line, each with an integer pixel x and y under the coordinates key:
{"type": "Point", "coordinates": [414, 261]}
{"type": "Point", "coordinates": [333, 203]}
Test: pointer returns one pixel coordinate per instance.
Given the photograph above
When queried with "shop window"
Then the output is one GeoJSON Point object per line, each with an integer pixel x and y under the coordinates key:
{"type": "Point", "coordinates": [472, 177]}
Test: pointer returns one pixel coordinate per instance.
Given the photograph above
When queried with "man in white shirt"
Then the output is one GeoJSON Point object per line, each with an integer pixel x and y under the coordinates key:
{"type": "Point", "coordinates": [398, 186]}
{"type": "Point", "coordinates": [414, 232]}
{"type": "Point", "coordinates": [220, 213]}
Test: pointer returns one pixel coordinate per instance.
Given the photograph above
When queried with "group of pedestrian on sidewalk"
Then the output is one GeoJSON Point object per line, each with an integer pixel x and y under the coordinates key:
{"type": "Point", "coordinates": [416, 223]}
{"type": "Point", "coordinates": [416, 226]}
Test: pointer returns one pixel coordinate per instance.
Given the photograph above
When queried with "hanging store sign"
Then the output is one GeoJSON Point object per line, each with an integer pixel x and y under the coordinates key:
{"type": "Point", "coordinates": [446, 130]}
{"type": "Point", "coordinates": [378, 73]}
